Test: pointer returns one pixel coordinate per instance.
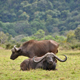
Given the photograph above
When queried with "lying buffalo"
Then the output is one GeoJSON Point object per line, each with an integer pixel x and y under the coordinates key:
{"type": "Point", "coordinates": [35, 48]}
{"type": "Point", "coordinates": [46, 62]}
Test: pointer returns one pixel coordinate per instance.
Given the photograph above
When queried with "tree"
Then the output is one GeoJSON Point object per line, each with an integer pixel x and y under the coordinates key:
{"type": "Point", "coordinates": [19, 37]}
{"type": "Point", "coordinates": [12, 32]}
{"type": "Point", "coordinates": [40, 34]}
{"type": "Point", "coordinates": [48, 37]}
{"type": "Point", "coordinates": [26, 39]}
{"type": "Point", "coordinates": [3, 37]}
{"type": "Point", "coordinates": [37, 24]}
{"type": "Point", "coordinates": [60, 38]}
{"type": "Point", "coordinates": [77, 33]}
{"type": "Point", "coordinates": [70, 36]}
{"type": "Point", "coordinates": [24, 16]}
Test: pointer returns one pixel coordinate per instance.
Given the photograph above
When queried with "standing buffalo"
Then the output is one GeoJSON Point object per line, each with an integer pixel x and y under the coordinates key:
{"type": "Point", "coordinates": [35, 48]}
{"type": "Point", "coordinates": [46, 62]}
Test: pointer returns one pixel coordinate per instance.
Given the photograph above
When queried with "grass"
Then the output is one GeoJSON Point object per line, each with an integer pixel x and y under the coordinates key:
{"type": "Point", "coordinates": [69, 70]}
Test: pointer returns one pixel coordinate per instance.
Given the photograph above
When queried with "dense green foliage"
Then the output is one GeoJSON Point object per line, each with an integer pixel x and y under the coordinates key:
{"type": "Point", "coordinates": [27, 16]}
{"type": "Point", "coordinates": [72, 41]}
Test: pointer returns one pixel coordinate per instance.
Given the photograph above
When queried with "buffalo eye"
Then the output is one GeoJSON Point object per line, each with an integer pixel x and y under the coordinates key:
{"type": "Point", "coordinates": [13, 52]}
{"type": "Point", "coordinates": [53, 58]}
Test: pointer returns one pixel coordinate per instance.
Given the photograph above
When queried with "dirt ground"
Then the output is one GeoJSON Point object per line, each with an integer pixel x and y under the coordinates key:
{"type": "Point", "coordinates": [1, 48]}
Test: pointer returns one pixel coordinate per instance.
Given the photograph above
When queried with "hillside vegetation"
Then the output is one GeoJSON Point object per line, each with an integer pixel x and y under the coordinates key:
{"type": "Point", "coordinates": [28, 16]}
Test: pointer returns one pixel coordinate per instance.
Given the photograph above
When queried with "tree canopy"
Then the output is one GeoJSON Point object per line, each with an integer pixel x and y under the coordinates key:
{"type": "Point", "coordinates": [28, 16]}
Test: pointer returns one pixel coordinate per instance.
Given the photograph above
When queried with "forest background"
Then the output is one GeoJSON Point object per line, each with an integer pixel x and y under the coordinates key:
{"type": "Point", "coordinates": [23, 20]}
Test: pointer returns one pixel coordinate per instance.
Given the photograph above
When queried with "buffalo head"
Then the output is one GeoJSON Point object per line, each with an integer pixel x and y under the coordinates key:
{"type": "Point", "coordinates": [15, 53]}
{"type": "Point", "coordinates": [49, 60]}
{"type": "Point", "coordinates": [50, 57]}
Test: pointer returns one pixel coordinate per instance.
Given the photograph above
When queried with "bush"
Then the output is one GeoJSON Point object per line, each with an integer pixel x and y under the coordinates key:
{"type": "Point", "coordinates": [75, 46]}
{"type": "Point", "coordinates": [9, 46]}
{"type": "Point", "coordinates": [18, 44]}
{"type": "Point", "coordinates": [72, 45]}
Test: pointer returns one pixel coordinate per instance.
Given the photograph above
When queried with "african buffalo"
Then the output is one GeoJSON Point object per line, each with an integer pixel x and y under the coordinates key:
{"type": "Point", "coordinates": [46, 62]}
{"type": "Point", "coordinates": [35, 48]}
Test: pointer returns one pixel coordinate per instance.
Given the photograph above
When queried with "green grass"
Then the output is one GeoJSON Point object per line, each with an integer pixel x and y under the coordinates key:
{"type": "Point", "coordinates": [69, 70]}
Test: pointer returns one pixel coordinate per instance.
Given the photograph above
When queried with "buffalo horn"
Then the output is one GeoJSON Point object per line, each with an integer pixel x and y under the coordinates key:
{"type": "Point", "coordinates": [40, 59]}
{"type": "Point", "coordinates": [16, 49]}
{"type": "Point", "coordinates": [60, 59]}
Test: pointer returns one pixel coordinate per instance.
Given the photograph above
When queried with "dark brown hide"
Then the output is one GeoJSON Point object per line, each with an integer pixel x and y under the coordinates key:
{"type": "Point", "coordinates": [35, 48]}
{"type": "Point", "coordinates": [46, 62]}
{"type": "Point", "coordinates": [30, 64]}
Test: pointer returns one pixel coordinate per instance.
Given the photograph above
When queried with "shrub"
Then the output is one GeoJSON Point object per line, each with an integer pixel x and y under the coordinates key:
{"type": "Point", "coordinates": [9, 46]}
{"type": "Point", "coordinates": [72, 45]}
{"type": "Point", "coordinates": [75, 46]}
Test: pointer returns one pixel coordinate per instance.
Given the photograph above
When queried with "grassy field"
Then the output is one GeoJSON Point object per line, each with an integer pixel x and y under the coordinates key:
{"type": "Point", "coordinates": [69, 70]}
